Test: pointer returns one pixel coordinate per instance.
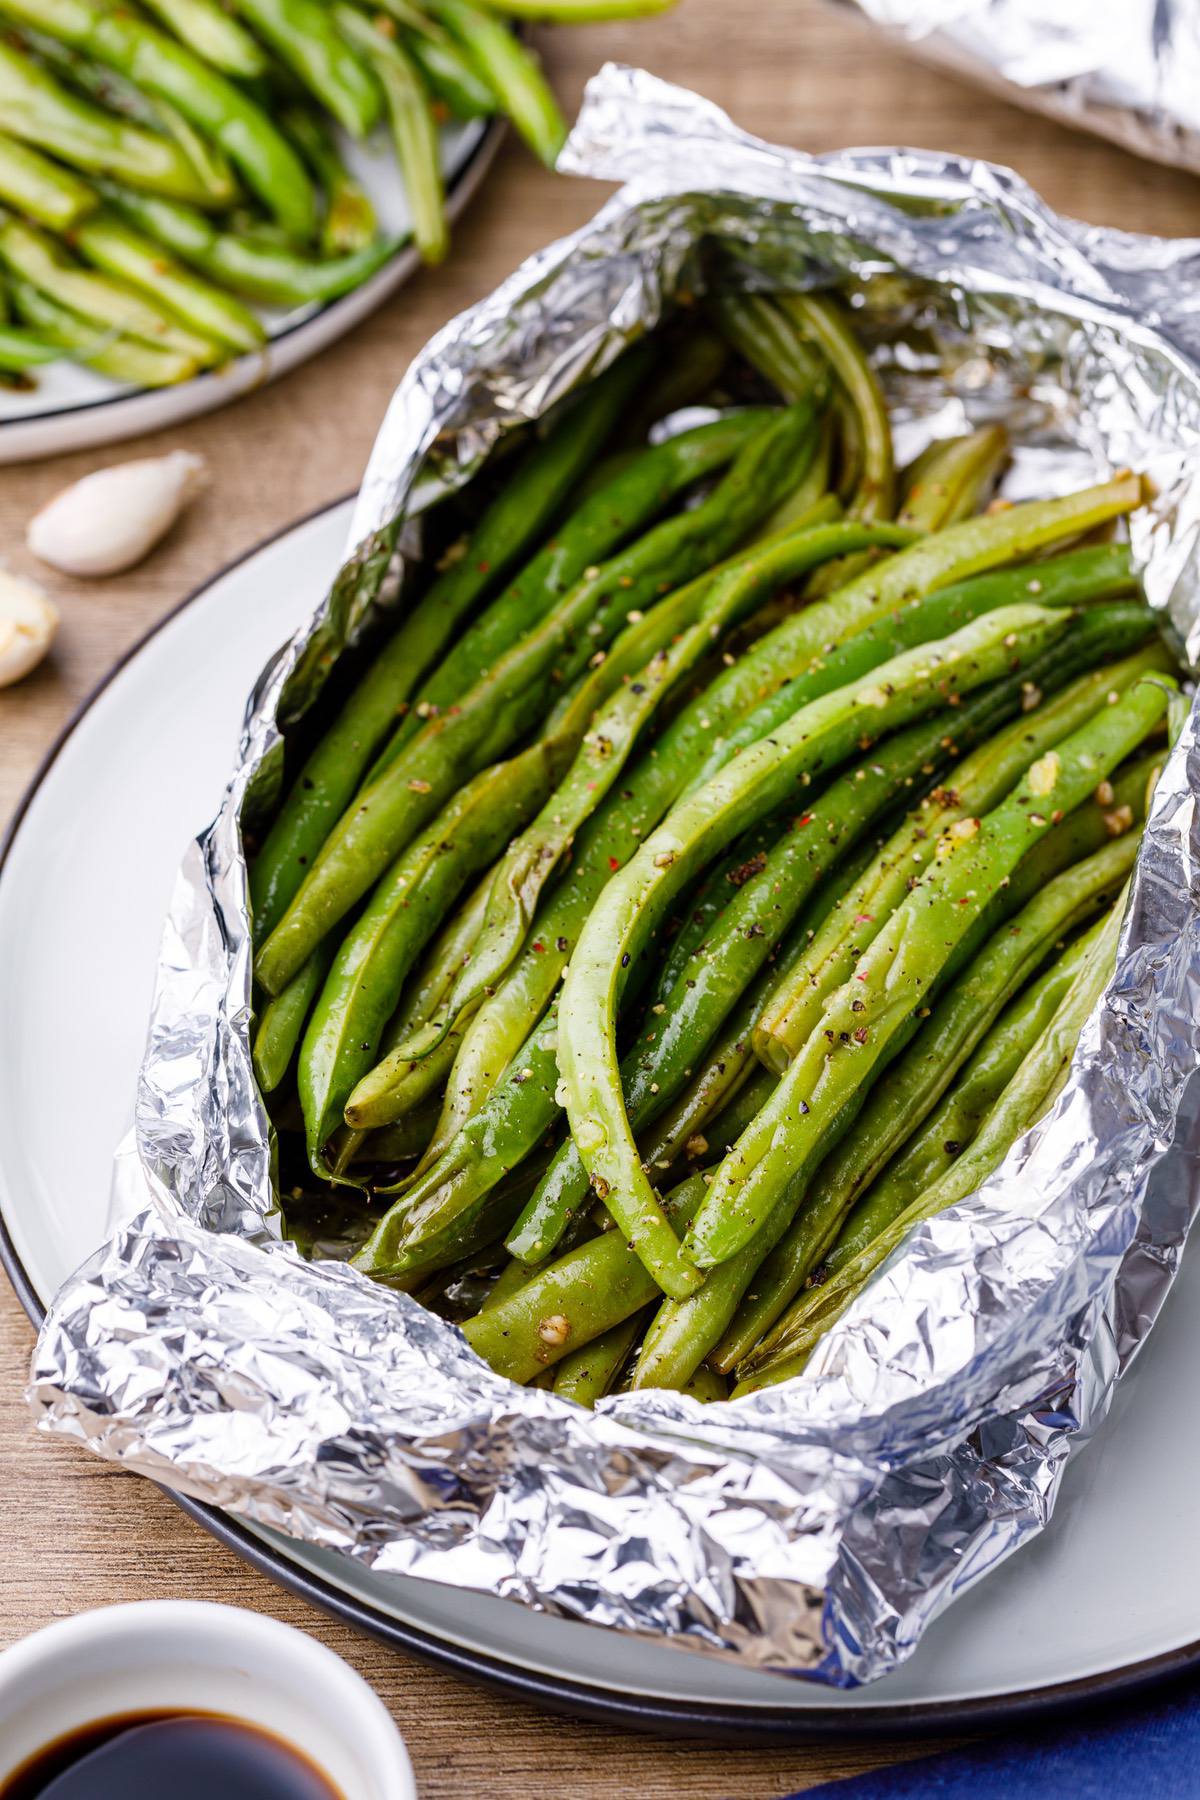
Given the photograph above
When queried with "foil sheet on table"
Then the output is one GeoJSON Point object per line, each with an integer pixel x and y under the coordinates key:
{"type": "Point", "coordinates": [816, 1528]}
{"type": "Point", "coordinates": [1128, 70]}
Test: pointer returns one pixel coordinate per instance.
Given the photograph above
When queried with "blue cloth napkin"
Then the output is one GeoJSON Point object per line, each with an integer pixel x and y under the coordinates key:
{"type": "Point", "coordinates": [1134, 1750]}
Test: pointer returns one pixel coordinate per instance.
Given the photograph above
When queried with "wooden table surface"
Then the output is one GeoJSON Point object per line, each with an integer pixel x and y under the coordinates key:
{"type": "Point", "coordinates": [76, 1533]}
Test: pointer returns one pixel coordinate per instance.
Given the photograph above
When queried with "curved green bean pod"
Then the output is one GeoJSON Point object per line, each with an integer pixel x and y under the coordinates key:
{"type": "Point", "coordinates": [571, 1302]}
{"type": "Point", "coordinates": [364, 983]}
{"type": "Point", "coordinates": [414, 133]}
{"type": "Point", "coordinates": [206, 27]}
{"type": "Point", "coordinates": [505, 704]}
{"type": "Point", "coordinates": [162, 67]}
{"type": "Point", "coordinates": [41, 189]}
{"type": "Point", "coordinates": [116, 248]}
{"type": "Point", "coordinates": [511, 71]}
{"type": "Point", "coordinates": [756, 781]}
{"type": "Point", "coordinates": [348, 222]}
{"type": "Point", "coordinates": [1023, 1102]}
{"type": "Point", "coordinates": [820, 319]}
{"type": "Point", "coordinates": [37, 110]}
{"type": "Point", "coordinates": [862, 1017]}
{"type": "Point", "coordinates": [259, 270]}
{"type": "Point", "coordinates": [523, 509]}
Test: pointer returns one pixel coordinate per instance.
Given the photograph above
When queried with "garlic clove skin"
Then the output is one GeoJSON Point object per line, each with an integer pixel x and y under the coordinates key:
{"type": "Point", "coordinates": [28, 623]}
{"type": "Point", "coordinates": [113, 517]}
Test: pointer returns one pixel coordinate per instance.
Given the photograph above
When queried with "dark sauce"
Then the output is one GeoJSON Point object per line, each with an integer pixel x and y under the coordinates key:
{"type": "Point", "coordinates": [186, 1756]}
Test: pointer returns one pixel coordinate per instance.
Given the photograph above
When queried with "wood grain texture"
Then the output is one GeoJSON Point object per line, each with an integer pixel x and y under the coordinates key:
{"type": "Point", "coordinates": [77, 1533]}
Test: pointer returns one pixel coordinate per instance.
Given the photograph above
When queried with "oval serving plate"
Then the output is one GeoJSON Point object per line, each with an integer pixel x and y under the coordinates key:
{"type": "Point", "coordinates": [1075, 1616]}
{"type": "Point", "coordinates": [73, 408]}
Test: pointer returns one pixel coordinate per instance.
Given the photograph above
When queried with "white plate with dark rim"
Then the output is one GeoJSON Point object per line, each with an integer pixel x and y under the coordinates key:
{"type": "Point", "coordinates": [73, 408]}
{"type": "Point", "coordinates": [1107, 1599]}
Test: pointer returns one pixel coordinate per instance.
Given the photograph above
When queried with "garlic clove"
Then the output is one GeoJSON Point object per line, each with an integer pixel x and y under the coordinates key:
{"type": "Point", "coordinates": [113, 517]}
{"type": "Point", "coordinates": [28, 623]}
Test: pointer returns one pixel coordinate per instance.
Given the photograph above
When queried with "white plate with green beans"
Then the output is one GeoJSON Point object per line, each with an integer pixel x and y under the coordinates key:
{"type": "Point", "coordinates": [194, 197]}
{"type": "Point", "coordinates": [1074, 1615]}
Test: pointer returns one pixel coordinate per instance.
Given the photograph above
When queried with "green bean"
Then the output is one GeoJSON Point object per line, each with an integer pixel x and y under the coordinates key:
{"type": "Point", "coordinates": [820, 320]}
{"type": "Point", "coordinates": [122, 358]}
{"type": "Point", "coordinates": [284, 1018]}
{"type": "Point", "coordinates": [1029, 1093]}
{"type": "Point", "coordinates": [759, 332]}
{"type": "Point", "coordinates": [444, 1198]}
{"type": "Point", "coordinates": [304, 38]}
{"type": "Point", "coordinates": [979, 784]}
{"type": "Point", "coordinates": [615, 728]}
{"type": "Point", "coordinates": [116, 248]}
{"type": "Point", "coordinates": [524, 508]}
{"type": "Point", "coordinates": [37, 110]}
{"type": "Point", "coordinates": [952, 477]}
{"type": "Point", "coordinates": [510, 70]}
{"type": "Point", "coordinates": [755, 782]}
{"type": "Point", "coordinates": [588, 1373]}
{"type": "Point", "coordinates": [363, 987]}
{"type": "Point", "coordinates": [414, 133]}
{"type": "Point", "coordinates": [348, 222]}
{"type": "Point", "coordinates": [41, 189]}
{"type": "Point", "coordinates": [571, 1302]}
{"type": "Point", "coordinates": [947, 1131]}
{"type": "Point", "coordinates": [206, 27]}
{"type": "Point", "coordinates": [168, 70]}
{"type": "Point", "coordinates": [906, 1092]}
{"type": "Point", "coordinates": [506, 703]}
{"type": "Point", "coordinates": [21, 350]}
{"type": "Point", "coordinates": [866, 1012]}
{"type": "Point", "coordinates": [639, 493]}
{"type": "Point", "coordinates": [448, 73]}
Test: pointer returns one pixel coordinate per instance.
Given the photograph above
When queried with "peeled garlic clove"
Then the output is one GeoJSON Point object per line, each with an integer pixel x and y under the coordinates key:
{"type": "Point", "coordinates": [28, 623]}
{"type": "Point", "coordinates": [113, 517]}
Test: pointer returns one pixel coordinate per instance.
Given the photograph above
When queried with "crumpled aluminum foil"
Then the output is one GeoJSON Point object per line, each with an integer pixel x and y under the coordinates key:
{"type": "Point", "coordinates": [1128, 70]}
{"type": "Point", "coordinates": [814, 1529]}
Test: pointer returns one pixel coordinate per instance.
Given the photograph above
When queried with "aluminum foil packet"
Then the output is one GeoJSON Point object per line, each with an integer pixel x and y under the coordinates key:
{"type": "Point", "coordinates": [1128, 70]}
{"type": "Point", "coordinates": [816, 1528]}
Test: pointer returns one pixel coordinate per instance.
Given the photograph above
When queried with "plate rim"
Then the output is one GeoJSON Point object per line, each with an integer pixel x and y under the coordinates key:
{"type": "Point", "coordinates": [735, 1724]}
{"type": "Point", "coordinates": [123, 410]}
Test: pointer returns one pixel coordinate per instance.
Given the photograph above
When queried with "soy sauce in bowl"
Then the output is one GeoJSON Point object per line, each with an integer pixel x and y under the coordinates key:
{"type": "Point", "coordinates": [168, 1756]}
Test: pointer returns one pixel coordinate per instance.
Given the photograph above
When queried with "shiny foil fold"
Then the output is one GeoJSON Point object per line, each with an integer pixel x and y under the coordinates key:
{"type": "Point", "coordinates": [1128, 70]}
{"type": "Point", "coordinates": [816, 1528]}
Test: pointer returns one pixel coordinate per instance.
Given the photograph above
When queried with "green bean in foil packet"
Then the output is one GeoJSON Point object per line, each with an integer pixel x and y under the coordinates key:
{"type": "Point", "coordinates": [672, 1028]}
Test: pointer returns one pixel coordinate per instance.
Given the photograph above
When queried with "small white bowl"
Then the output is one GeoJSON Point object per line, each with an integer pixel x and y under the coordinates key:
{"type": "Point", "coordinates": [157, 1655]}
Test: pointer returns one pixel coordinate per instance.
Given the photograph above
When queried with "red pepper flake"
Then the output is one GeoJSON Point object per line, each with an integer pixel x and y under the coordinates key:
{"type": "Point", "coordinates": [614, 863]}
{"type": "Point", "coordinates": [539, 948]}
{"type": "Point", "coordinates": [804, 819]}
{"type": "Point", "coordinates": [860, 1036]}
{"type": "Point", "coordinates": [864, 918]}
